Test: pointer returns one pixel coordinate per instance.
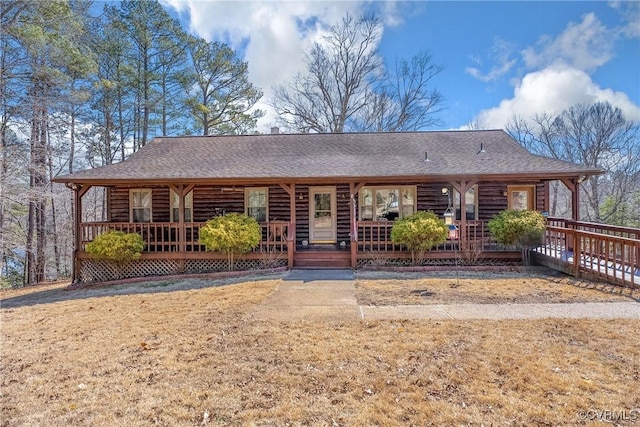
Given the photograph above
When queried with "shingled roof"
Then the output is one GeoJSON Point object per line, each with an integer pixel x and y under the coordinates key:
{"type": "Point", "coordinates": [330, 156]}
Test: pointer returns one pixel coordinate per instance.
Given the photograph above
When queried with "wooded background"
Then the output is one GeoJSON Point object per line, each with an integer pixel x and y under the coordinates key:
{"type": "Point", "coordinates": [84, 85]}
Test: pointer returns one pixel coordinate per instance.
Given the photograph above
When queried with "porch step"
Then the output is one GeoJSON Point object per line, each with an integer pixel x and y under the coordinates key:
{"type": "Point", "coordinates": [322, 259]}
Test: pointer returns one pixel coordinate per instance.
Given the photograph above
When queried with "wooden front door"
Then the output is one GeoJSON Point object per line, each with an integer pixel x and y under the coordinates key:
{"type": "Point", "coordinates": [322, 214]}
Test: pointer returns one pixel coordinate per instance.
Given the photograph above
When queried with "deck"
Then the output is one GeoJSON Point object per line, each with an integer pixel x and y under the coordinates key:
{"type": "Point", "coordinates": [590, 250]}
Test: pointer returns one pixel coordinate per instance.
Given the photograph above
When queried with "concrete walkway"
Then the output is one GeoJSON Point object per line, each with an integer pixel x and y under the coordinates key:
{"type": "Point", "coordinates": [331, 295]}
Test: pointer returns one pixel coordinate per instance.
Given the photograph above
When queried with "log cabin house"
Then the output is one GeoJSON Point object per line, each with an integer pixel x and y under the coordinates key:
{"type": "Point", "coordinates": [323, 200]}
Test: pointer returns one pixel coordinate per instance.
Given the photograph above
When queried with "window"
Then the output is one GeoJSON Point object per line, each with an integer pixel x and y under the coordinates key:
{"type": "Point", "coordinates": [521, 197]}
{"type": "Point", "coordinates": [387, 203]}
{"type": "Point", "coordinates": [471, 204]}
{"type": "Point", "coordinates": [256, 202]}
{"type": "Point", "coordinates": [140, 202]}
{"type": "Point", "coordinates": [175, 207]}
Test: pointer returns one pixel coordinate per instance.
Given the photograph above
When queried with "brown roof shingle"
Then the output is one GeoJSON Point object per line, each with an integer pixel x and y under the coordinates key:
{"type": "Point", "coordinates": [358, 155]}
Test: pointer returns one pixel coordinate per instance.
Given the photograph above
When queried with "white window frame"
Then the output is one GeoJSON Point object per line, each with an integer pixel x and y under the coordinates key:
{"type": "Point", "coordinates": [457, 202]}
{"type": "Point", "coordinates": [188, 205]}
{"type": "Point", "coordinates": [375, 189]}
{"type": "Point", "coordinates": [132, 191]}
{"type": "Point", "coordinates": [247, 206]}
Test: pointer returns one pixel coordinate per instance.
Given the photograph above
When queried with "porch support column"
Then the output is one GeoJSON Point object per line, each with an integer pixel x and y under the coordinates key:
{"type": "Point", "coordinates": [353, 223]}
{"type": "Point", "coordinates": [291, 232]}
{"type": "Point", "coordinates": [462, 187]}
{"type": "Point", "coordinates": [573, 184]}
{"type": "Point", "coordinates": [547, 198]}
{"type": "Point", "coordinates": [78, 192]}
{"type": "Point", "coordinates": [181, 191]}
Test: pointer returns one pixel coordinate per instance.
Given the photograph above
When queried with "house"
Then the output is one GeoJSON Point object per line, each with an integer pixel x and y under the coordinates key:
{"type": "Point", "coordinates": [322, 199]}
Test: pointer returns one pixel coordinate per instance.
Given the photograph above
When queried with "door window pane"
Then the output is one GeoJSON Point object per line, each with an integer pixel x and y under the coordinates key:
{"type": "Point", "coordinates": [521, 197]}
{"type": "Point", "coordinates": [520, 200]}
{"type": "Point", "coordinates": [322, 210]}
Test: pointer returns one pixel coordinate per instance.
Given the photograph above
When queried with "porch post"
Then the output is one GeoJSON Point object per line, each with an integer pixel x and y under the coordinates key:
{"type": "Point", "coordinates": [78, 192]}
{"type": "Point", "coordinates": [182, 230]}
{"type": "Point", "coordinates": [462, 187]}
{"type": "Point", "coordinates": [353, 223]}
{"type": "Point", "coordinates": [291, 233]}
{"type": "Point", "coordinates": [573, 185]}
{"type": "Point", "coordinates": [575, 201]}
{"type": "Point", "coordinates": [547, 196]}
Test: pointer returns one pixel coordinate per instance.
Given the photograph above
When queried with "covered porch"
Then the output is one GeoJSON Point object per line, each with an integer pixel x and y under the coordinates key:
{"type": "Point", "coordinates": [327, 224]}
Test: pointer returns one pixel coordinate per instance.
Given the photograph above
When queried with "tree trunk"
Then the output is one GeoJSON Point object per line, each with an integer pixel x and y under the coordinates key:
{"type": "Point", "coordinates": [35, 265]}
{"type": "Point", "coordinates": [54, 228]}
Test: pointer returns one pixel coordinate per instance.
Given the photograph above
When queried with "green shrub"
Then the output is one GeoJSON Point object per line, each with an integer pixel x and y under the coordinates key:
{"type": "Point", "coordinates": [232, 234]}
{"type": "Point", "coordinates": [117, 246]}
{"type": "Point", "coordinates": [419, 233]}
{"type": "Point", "coordinates": [521, 228]}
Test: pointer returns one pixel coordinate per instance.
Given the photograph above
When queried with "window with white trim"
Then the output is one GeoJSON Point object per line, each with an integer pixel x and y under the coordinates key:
{"type": "Point", "coordinates": [175, 207]}
{"type": "Point", "coordinates": [471, 203]}
{"type": "Point", "coordinates": [140, 202]}
{"type": "Point", "coordinates": [387, 203]}
{"type": "Point", "coordinates": [256, 203]}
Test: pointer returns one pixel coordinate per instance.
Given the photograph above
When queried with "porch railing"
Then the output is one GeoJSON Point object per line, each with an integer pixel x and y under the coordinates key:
{"type": "Point", "coordinates": [609, 252]}
{"type": "Point", "coordinates": [375, 236]}
{"type": "Point", "coordinates": [168, 236]}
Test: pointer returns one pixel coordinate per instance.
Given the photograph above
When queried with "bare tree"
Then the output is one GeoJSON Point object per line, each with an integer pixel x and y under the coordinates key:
{"type": "Point", "coordinates": [346, 87]}
{"type": "Point", "coordinates": [596, 135]}
{"type": "Point", "coordinates": [405, 101]}
{"type": "Point", "coordinates": [337, 83]}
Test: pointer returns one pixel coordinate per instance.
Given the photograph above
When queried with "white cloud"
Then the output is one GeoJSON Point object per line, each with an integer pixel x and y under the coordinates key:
{"type": "Point", "coordinates": [273, 35]}
{"type": "Point", "coordinates": [585, 46]}
{"type": "Point", "coordinates": [501, 54]}
{"type": "Point", "coordinates": [552, 90]}
{"type": "Point", "coordinates": [630, 12]}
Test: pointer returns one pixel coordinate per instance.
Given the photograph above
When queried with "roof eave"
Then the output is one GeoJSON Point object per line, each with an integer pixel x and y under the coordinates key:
{"type": "Point", "coordinates": [544, 176]}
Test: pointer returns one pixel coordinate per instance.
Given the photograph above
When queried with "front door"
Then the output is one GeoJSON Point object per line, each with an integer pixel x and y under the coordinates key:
{"type": "Point", "coordinates": [322, 214]}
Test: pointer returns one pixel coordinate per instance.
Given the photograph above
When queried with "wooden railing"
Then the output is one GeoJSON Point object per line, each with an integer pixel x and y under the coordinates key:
{"type": "Point", "coordinates": [168, 237]}
{"type": "Point", "coordinates": [593, 227]}
{"type": "Point", "coordinates": [609, 252]}
{"type": "Point", "coordinates": [375, 236]}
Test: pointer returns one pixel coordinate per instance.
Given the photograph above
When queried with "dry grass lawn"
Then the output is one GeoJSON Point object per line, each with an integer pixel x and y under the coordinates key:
{"type": "Point", "coordinates": [387, 288]}
{"type": "Point", "coordinates": [187, 354]}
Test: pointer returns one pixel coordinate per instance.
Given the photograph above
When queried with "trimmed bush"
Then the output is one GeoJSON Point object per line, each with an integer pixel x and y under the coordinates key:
{"type": "Point", "coordinates": [117, 246]}
{"type": "Point", "coordinates": [419, 233]}
{"type": "Point", "coordinates": [524, 229]}
{"type": "Point", "coordinates": [232, 234]}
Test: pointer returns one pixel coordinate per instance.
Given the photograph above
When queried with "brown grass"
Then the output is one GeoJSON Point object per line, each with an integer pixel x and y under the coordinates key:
{"type": "Point", "coordinates": [385, 288]}
{"type": "Point", "coordinates": [142, 356]}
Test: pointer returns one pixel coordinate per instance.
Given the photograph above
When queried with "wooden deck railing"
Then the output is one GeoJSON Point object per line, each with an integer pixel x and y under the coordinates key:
{"type": "Point", "coordinates": [168, 237]}
{"type": "Point", "coordinates": [375, 236]}
{"type": "Point", "coordinates": [593, 227]}
{"type": "Point", "coordinates": [609, 252]}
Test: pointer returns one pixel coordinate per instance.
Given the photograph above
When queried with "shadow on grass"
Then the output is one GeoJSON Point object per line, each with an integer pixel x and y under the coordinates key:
{"type": "Point", "coordinates": [62, 293]}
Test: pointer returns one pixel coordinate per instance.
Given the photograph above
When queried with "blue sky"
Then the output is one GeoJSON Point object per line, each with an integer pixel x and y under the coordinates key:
{"type": "Point", "coordinates": [500, 58]}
